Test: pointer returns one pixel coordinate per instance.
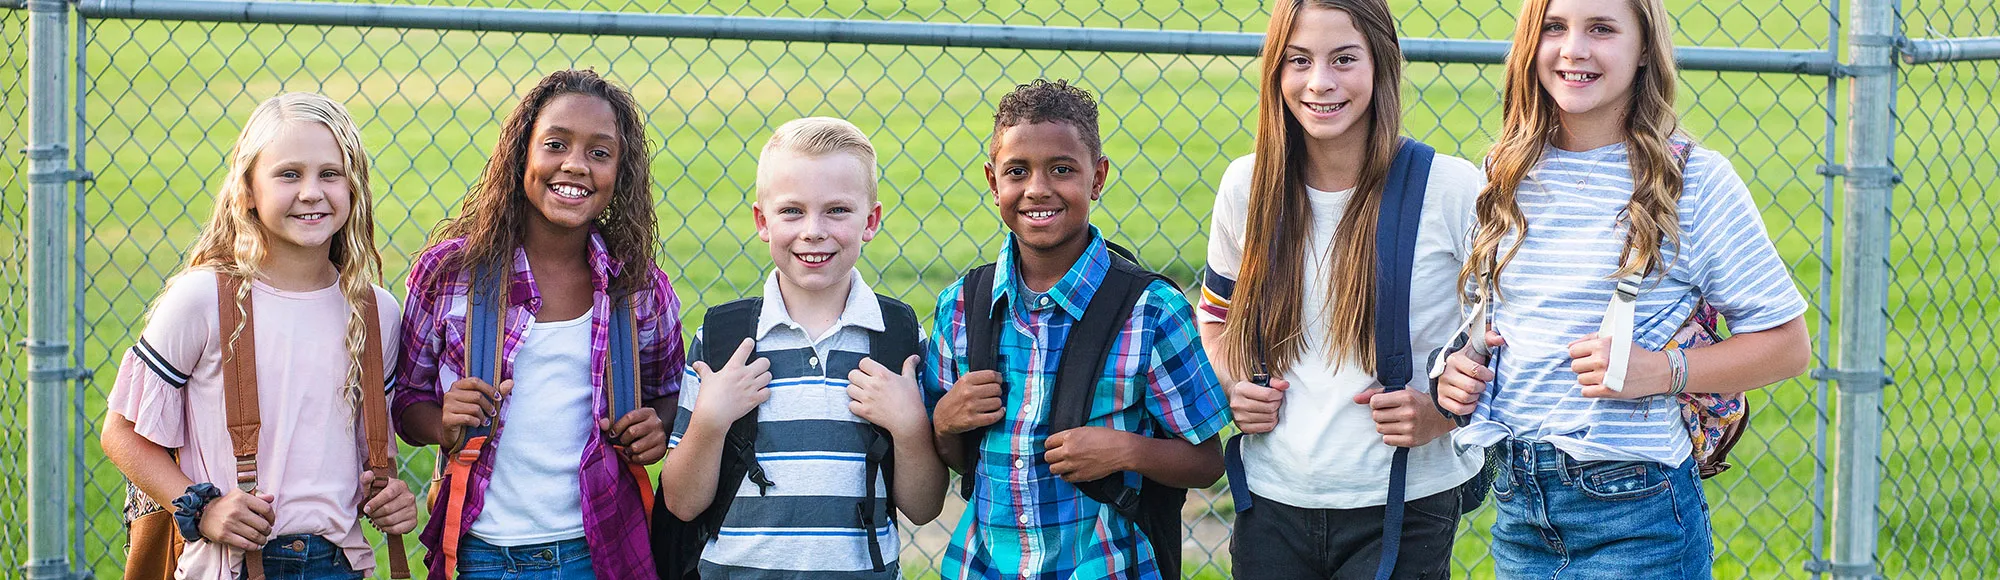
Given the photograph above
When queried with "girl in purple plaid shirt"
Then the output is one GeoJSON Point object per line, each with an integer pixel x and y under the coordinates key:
{"type": "Point", "coordinates": [562, 220]}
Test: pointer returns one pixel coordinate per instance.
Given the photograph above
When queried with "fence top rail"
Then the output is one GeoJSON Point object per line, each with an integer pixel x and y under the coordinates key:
{"type": "Point", "coordinates": [1939, 50]}
{"type": "Point", "coordinates": [1804, 62]}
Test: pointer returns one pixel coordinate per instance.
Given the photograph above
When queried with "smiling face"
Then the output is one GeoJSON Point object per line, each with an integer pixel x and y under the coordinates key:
{"type": "Point", "coordinates": [1588, 58]}
{"type": "Point", "coordinates": [816, 211]}
{"type": "Point", "coordinates": [1044, 178]}
{"type": "Point", "coordinates": [1327, 77]}
{"type": "Point", "coordinates": [572, 161]}
{"type": "Point", "coordinates": [300, 189]}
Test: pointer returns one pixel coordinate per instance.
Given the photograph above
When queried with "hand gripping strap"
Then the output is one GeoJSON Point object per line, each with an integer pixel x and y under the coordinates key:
{"type": "Point", "coordinates": [237, 324]}
{"type": "Point", "coordinates": [1395, 249]}
{"type": "Point", "coordinates": [375, 424]}
{"type": "Point", "coordinates": [485, 313]}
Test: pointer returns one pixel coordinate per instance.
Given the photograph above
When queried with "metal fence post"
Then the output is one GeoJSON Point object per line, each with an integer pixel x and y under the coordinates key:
{"type": "Point", "coordinates": [47, 342]}
{"type": "Point", "coordinates": [1864, 288]}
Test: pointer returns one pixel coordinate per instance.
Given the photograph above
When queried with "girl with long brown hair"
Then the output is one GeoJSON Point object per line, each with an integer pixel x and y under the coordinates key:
{"type": "Point", "coordinates": [293, 232]}
{"type": "Point", "coordinates": [1593, 187]}
{"type": "Point", "coordinates": [1291, 288]}
{"type": "Point", "coordinates": [562, 222]}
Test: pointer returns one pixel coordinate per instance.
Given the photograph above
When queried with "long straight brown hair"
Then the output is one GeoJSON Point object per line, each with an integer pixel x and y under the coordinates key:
{"type": "Point", "coordinates": [1529, 119]}
{"type": "Point", "coordinates": [1271, 285]}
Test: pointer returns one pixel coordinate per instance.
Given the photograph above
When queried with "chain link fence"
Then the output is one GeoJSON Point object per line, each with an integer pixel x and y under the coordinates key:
{"type": "Point", "coordinates": [1941, 475]}
{"type": "Point", "coordinates": [164, 98]}
{"type": "Point", "coordinates": [13, 286]}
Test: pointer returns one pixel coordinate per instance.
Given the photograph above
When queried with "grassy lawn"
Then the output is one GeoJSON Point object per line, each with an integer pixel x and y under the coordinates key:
{"type": "Point", "coordinates": [166, 100]}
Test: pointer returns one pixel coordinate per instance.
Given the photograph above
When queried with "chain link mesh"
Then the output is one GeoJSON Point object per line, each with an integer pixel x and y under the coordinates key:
{"type": "Point", "coordinates": [166, 99]}
{"type": "Point", "coordinates": [13, 286]}
{"type": "Point", "coordinates": [1941, 477]}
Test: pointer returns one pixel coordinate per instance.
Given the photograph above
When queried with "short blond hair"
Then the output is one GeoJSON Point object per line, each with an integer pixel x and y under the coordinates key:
{"type": "Point", "coordinates": [818, 137]}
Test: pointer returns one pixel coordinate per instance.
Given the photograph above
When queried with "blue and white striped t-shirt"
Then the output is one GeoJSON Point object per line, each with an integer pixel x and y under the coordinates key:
{"type": "Point", "coordinates": [1556, 289]}
{"type": "Point", "coordinates": [811, 446]}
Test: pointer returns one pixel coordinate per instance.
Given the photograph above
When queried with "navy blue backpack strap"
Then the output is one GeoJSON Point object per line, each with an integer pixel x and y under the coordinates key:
{"type": "Point", "coordinates": [982, 353]}
{"type": "Point", "coordinates": [1395, 249]}
{"type": "Point", "coordinates": [485, 322]}
{"type": "Point", "coordinates": [724, 328]}
{"type": "Point", "coordinates": [896, 343]}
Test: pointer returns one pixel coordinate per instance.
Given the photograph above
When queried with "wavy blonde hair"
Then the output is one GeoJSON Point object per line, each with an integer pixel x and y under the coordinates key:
{"type": "Point", "coordinates": [1271, 284]}
{"type": "Point", "coordinates": [234, 241]}
{"type": "Point", "coordinates": [1529, 118]}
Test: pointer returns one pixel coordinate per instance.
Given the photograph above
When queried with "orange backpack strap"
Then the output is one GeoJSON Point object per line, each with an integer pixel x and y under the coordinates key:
{"type": "Point", "coordinates": [239, 393]}
{"type": "Point", "coordinates": [381, 458]}
{"type": "Point", "coordinates": [621, 388]}
{"type": "Point", "coordinates": [485, 315]}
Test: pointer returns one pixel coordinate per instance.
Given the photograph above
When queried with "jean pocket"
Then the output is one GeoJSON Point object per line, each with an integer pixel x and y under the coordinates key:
{"type": "Point", "coordinates": [1503, 484]}
{"type": "Point", "coordinates": [1620, 480]}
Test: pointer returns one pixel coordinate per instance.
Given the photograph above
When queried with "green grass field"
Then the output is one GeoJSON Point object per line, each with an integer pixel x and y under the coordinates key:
{"type": "Point", "coordinates": [166, 99]}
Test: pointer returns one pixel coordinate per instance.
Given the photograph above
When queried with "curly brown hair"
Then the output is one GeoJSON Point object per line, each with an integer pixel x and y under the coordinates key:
{"type": "Point", "coordinates": [1042, 101]}
{"type": "Point", "coordinates": [495, 211]}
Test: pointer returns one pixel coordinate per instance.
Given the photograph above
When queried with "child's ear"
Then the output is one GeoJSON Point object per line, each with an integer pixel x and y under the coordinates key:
{"type": "Point", "coordinates": [763, 228]}
{"type": "Point", "coordinates": [874, 223]}
{"type": "Point", "coordinates": [1103, 173]}
{"type": "Point", "coordinates": [992, 183]}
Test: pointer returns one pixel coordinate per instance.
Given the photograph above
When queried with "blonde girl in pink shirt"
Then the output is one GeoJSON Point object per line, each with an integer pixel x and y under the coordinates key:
{"type": "Point", "coordinates": [293, 230]}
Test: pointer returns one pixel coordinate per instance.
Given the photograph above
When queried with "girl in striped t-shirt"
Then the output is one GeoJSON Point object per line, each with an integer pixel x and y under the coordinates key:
{"type": "Point", "coordinates": [1591, 181]}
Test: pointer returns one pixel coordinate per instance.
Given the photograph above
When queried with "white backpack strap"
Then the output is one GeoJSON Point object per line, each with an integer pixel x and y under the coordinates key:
{"type": "Point", "coordinates": [1617, 326]}
{"type": "Point", "coordinates": [1473, 331]}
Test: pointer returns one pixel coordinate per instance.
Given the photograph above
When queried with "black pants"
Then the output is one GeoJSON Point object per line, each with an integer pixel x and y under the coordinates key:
{"type": "Point", "coordinates": [1281, 542]}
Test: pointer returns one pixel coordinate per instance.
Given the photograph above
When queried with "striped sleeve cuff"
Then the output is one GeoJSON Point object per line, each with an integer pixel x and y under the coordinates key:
{"type": "Point", "coordinates": [1216, 291]}
{"type": "Point", "coordinates": [159, 365]}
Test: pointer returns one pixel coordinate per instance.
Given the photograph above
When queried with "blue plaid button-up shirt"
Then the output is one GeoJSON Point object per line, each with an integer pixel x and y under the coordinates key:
{"type": "Point", "coordinates": [1024, 521]}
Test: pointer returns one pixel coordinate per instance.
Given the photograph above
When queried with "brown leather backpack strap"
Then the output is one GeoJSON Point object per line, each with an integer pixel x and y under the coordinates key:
{"type": "Point", "coordinates": [381, 458]}
{"type": "Point", "coordinates": [239, 392]}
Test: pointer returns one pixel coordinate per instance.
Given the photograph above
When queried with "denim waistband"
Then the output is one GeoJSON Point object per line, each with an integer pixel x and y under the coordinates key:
{"type": "Point", "coordinates": [542, 554]}
{"type": "Point", "coordinates": [300, 547]}
{"type": "Point", "coordinates": [1536, 456]}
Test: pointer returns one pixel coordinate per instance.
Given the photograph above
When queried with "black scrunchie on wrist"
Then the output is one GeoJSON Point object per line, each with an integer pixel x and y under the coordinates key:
{"type": "Point", "coordinates": [188, 508]}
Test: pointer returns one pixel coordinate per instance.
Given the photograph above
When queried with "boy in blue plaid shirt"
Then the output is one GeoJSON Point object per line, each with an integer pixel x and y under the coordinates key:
{"type": "Point", "coordinates": [1157, 407]}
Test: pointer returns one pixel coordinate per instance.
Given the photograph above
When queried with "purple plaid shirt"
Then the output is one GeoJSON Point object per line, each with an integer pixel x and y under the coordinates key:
{"type": "Point", "coordinates": [433, 357]}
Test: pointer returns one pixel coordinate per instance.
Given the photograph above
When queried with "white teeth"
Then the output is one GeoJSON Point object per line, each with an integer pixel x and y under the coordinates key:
{"type": "Point", "coordinates": [815, 258]}
{"type": "Point", "coordinates": [1041, 215]}
{"type": "Point", "coordinates": [570, 191]}
{"type": "Point", "coordinates": [311, 216]}
{"type": "Point", "coordinates": [1326, 108]}
{"type": "Point", "coordinates": [1578, 77]}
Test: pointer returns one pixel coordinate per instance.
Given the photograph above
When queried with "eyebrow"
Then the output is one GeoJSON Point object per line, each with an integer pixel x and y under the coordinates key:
{"type": "Point", "coordinates": [553, 128]}
{"type": "Point", "coordinates": [1336, 49]}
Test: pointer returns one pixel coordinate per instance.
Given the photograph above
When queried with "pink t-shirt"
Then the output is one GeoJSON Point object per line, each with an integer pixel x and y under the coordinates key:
{"type": "Point", "coordinates": [309, 453]}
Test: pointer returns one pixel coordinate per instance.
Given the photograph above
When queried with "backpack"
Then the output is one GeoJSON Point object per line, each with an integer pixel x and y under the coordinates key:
{"type": "Point", "coordinates": [1714, 421]}
{"type": "Point", "coordinates": [1395, 251]}
{"type": "Point", "coordinates": [485, 316]}
{"type": "Point", "coordinates": [1154, 507]}
{"type": "Point", "coordinates": [154, 543]}
{"type": "Point", "coordinates": [677, 544]}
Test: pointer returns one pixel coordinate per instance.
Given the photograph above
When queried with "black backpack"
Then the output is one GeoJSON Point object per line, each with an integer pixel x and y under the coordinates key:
{"type": "Point", "coordinates": [677, 544]}
{"type": "Point", "coordinates": [1155, 507]}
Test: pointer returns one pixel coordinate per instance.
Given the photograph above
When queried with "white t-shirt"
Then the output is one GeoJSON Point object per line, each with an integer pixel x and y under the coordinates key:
{"type": "Point", "coordinates": [1325, 453]}
{"type": "Point", "coordinates": [536, 495]}
{"type": "Point", "coordinates": [309, 450]}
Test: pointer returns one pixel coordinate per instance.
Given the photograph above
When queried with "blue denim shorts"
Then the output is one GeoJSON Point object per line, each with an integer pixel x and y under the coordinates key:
{"type": "Point", "coordinates": [1561, 518]}
{"type": "Point", "coordinates": [564, 560]}
{"type": "Point", "coordinates": [305, 557]}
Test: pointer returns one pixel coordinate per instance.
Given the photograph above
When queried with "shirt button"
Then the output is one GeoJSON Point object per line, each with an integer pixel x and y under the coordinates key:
{"type": "Point", "coordinates": [1024, 519]}
{"type": "Point", "coordinates": [1020, 463]}
{"type": "Point", "coordinates": [814, 361]}
{"type": "Point", "coordinates": [1045, 301]}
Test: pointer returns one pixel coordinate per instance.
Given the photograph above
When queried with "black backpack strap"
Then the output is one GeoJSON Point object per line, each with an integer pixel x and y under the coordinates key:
{"type": "Point", "coordinates": [1395, 249]}
{"type": "Point", "coordinates": [1153, 507]}
{"type": "Point", "coordinates": [723, 329]}
{"type": "Point", "coordinates": [982, 353]}
{"type": "Point", "coordinates": [896, 343]}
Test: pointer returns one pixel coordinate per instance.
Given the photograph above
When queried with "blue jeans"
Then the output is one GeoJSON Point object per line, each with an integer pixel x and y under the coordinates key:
{"type": "Point", "coordinates": [305, 557]}
{"type": "Point", "coordinates": [1560, 518]}
{"type": "Point", "coordinates": [564, 560]}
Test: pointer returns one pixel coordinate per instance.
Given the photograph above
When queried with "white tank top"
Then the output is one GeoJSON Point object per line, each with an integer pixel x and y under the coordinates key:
{"type": "Point", "coordinates": [536, 496]}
